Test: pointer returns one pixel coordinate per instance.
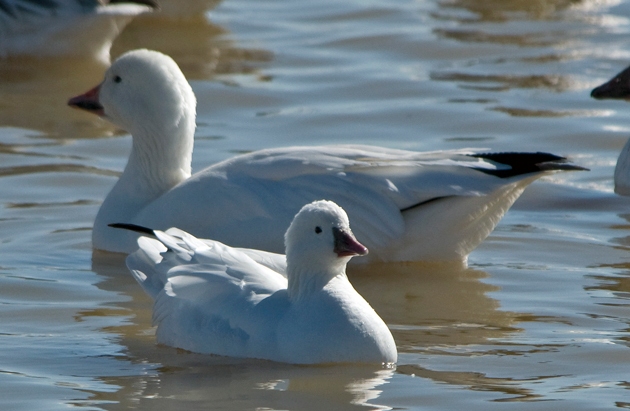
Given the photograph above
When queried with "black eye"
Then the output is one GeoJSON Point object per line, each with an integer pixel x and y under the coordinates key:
{"type": "Point", "coordinates": [318, 230]}
{"type": "Point", "coordinates": [117, 79]}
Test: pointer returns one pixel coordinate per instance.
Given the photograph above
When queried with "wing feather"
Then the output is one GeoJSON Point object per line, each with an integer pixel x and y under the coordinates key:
{"type": "Point", "coordinates": [259, 193]}
{"type": "Point", "coordinates": [185, 274]}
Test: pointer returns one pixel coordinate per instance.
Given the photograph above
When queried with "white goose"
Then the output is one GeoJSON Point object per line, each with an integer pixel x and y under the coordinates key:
{"type": "Point", "coordinates": [618, 88]}
{"type": "Point", "coordinates": [65, 27]}
{"type": "Point", "coordinates": [408, 206]}
{"type": "Point", "coordinates": [214, 299]}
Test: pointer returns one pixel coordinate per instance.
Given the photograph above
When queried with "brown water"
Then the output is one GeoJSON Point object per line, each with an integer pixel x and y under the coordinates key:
{"type": "Point", "coordinates": [539, 320]}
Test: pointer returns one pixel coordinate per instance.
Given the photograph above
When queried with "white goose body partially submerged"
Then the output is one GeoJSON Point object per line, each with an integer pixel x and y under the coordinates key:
{"type": "Point", "coordinates": [408, 206]}
{"type": "Point", "coordinates": [214, 299]}
{"type": "Point", "coordinates": [618, 88]}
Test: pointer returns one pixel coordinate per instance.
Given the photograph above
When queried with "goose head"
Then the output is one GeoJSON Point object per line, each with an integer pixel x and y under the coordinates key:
{"type": "Point", "coordinates": [319, 243]}
{"type": "Point", "coordinates": [142, 91]}
{"type": "Point", "coordinates": [616, 88]}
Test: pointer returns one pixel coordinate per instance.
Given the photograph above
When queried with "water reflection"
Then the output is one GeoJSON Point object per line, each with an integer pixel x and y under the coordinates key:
{"type": "Point", "coordinates": [499, 11]}
{"type": "Point", "coordinates": [182, 9]}
{"type": "Point", "coordinates": [612, 291]}
{"type": "Point", "coordinates": [504, 82]}
{"type": "Point", "coordinates": [429, 305]}
{"type": "Point", "coordinates": [34, 92]}
{"type": "Point", "coordinates": [484, 22]}
{"type": "Point", "coordinates": [478, 36]}
{"type": "Point", "coordinates": [183, 31]}
{"type": "Point", "coordinates": [247, 385]}
{"type": "Point", "coordinates": [515, 45]}
{"type": "Point", "coordinates": [478, 382]}
{"type": "Point", "coordinates": [622, 229]}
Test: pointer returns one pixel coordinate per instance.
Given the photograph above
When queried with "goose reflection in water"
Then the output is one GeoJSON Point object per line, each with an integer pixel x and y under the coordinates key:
{"type": "Point", "coordinates": [431, 305]}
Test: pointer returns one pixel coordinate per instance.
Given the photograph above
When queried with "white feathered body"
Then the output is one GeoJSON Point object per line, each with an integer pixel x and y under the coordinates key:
{"type": "Point", "coordinates": [259, 194]}
{"type": "Point", "coordinates": [622, 171]}
{"type": "Point", "coordinates": [406, 205]}
{"type": "Point", "coordinates": [214, 299]}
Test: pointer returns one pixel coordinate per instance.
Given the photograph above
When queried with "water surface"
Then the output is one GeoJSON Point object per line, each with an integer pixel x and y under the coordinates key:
{"type": "Point", "coordinates": [538, 320]}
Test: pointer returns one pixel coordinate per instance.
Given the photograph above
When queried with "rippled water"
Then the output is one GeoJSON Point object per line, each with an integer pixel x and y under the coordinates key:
{"type": "Point", "coordinates": [539, 320]}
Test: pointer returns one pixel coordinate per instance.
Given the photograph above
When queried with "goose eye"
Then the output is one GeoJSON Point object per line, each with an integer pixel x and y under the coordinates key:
{"type": "Point", "coordinates": [318, 230]}
{"type": "Point", "coordinates": [117, 79]}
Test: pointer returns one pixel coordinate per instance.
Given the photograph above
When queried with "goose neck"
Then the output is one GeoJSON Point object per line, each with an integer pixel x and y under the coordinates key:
{"type": "Point", "coordinates": [160, 158]}
{"type": "Point", "coordinates": [304, 280]}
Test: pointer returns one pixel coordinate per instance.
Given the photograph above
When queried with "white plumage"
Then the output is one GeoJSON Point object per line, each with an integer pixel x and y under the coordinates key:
{"type": "Point", "coordinates": [406, 205]}
{"type": "Point", "coordinates": [214, 299]}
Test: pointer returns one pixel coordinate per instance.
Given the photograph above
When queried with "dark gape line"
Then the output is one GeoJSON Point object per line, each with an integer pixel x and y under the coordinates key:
{"type": "Point", "coordinates": [431, 200]}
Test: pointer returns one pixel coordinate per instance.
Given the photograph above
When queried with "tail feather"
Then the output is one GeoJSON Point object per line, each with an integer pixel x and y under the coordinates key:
{"type": "Point", "coordinates": [453, 226]}
{"type": "Point", "coordinates": [143, 263]}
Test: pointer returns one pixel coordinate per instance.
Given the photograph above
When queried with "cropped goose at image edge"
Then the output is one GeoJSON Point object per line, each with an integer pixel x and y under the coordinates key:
{"type": "Point", "coordinates": [618, 88]}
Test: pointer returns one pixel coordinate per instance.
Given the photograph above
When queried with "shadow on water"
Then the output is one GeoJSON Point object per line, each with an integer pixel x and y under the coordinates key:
{"type": "Point", "coordinates": [542, 34]}
{"type": "Point", "coordinates": [34, 93]}
{"type": "Point", "coordinates": [500, 11]}
{"type": "Point", "coordinates": [431, 305]}
{"type": "Point", "coordinates": [200, 47]}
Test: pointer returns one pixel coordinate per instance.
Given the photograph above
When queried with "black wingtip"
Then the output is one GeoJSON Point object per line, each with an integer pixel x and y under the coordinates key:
{"type": "Point", "coordinates": [525, 163]}
{"type": "Point", "coordinates": [133, 227]}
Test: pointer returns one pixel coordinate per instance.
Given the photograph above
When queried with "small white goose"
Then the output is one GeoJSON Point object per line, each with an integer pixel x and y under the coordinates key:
{"type": "Point", "coordinates": [618, 88]}
{"type": "Point", "coordinates": [214, 299]}
{"type": "Point", "coordinates": [408, 206]}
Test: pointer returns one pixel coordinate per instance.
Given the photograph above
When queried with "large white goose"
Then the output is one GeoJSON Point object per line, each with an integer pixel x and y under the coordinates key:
{"type": "Point", "coordinates": [65, 27]}
{"type": "Point", "coordinates": [618, 88]}
{"type": "Point", "coordinates": [214, 299]}
{"type": "Point", "coordinates": [407, 205]}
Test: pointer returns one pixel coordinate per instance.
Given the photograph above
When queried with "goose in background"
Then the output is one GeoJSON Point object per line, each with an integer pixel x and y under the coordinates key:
{"type": "Point", "coordinates": [65, 27]}
{"type": "Point", "coordinates": [214, 299]}
{"type": "Point", "coordinates": [407, 206]}
{"type": "Point", "coordinates": [618, 88]}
